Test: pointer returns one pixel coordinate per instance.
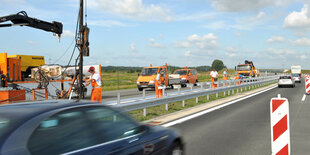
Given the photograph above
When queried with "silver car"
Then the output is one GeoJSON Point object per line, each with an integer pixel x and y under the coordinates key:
{"type": "Point", "coordinates": [286, 80]}
{"type": "Point", "coordinates": [296, 77]}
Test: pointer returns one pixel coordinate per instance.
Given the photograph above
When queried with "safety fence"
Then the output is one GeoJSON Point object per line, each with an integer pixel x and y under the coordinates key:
{"type": "Point", "coordinates": [225, 86]}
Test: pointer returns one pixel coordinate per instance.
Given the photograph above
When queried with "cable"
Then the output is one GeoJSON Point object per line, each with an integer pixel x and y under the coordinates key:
{"type": "Point", "coordinates": [65, 51]}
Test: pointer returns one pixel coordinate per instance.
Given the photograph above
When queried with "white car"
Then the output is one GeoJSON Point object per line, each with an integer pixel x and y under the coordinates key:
{"type": "Point", "coordinates": [296, 77]}
{"type": "Point", "coordinates": [286, 80]}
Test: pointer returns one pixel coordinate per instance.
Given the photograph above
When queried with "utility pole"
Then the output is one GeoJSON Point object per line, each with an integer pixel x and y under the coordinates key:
{"type": "Point", "coordinates": [81, 30]}
{"type": "Point", "coordinates": [82, 45]}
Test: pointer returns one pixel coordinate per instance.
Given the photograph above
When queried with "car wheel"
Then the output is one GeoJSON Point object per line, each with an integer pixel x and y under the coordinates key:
{"type": "Point", "coordinates": [279, 86]}
{"type": "Point", "coordinates": [176, 149]}
{"type": "Point", "coordinates": [195, 84]}
{"type": "Point", "coordinates": [140, 89]}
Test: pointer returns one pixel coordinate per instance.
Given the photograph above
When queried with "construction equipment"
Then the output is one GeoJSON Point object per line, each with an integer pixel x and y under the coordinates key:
{"type": "Point", "coordinates": [246, 70]}
{"type": "Point", "coordinates": [28, 62]}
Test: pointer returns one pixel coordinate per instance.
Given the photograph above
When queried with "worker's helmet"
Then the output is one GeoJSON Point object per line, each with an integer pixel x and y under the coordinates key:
{"type": "Point", "coordinates": [92, 68]}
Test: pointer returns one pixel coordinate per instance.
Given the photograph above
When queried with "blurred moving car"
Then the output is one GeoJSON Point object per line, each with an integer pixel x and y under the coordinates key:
{"type": "Point", "coordinates": [286, 80]}
{"type": "Point", "coordinates": [68, 127]}
{"type": "Point", "coordinates": [296, 77]}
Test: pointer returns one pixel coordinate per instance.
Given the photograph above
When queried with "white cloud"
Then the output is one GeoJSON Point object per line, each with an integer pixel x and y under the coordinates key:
{"type": "Point", "coordinates": [182, 44]}
{"type": "Point", "coordinates": [276, 39]}
{"type": "Point", "coordinates": [299, 21]}
{"type": "Point", "coordinates": [187, 53]}
{"type": "Point", "coordinates": [68, 33]}
{"type": "Point", "coordinates": [303, 57]}
{"type": "Point", "coordinates": [132, 47]}
{"type": "Point", "coordinates": [280, 52]}
{"type": "Point", "coordinates": [246, 5]}
{"type": "Point", "coordinates": [107, 23]}
{"type": "Point", "coordinates": [216, 25]}
{"type": "Point", "coordinates": [205, 41]}
{"type": "Point", "coordinates": [31, 42]}
{"type": "Point", "coordinates": [154, 44]}
{"type": "Point", "coordinates": [302, 42]}
{"type": "Point", "coordinates": [134, 9]}
{"type": "Point", "coordinates": [231, 51]}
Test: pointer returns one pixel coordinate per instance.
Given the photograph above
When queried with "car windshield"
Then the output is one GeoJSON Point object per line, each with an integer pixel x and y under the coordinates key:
{"type": "Point", "coordinates": [243, 67]}
{"type": "Point", "coordinates": [181, 72]}
{"type": "Point", "coordinates": [149, 71]}
{"type": "Point", "coordinates": [295, 75]}
{"type": "Point", "coordinates": [285, 77]}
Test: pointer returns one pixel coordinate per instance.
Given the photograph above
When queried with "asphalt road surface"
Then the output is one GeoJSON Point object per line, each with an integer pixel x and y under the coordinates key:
{"type": "Point", "coordinates": [243, 128]}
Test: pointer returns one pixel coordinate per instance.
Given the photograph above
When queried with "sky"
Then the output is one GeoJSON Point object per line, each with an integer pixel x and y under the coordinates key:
{"type": "Point", "coordinates": [274, 34]}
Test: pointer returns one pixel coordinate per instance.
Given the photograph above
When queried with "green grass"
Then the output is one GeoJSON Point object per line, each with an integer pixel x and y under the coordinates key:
{"type": "Point", "coordinates": [156, 111]}
{"type": "Point", "coordinates": [305, 71]}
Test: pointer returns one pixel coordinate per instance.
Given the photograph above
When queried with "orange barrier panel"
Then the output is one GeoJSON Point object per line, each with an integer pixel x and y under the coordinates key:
{"type": "Point", "coordinates": [12, 95]}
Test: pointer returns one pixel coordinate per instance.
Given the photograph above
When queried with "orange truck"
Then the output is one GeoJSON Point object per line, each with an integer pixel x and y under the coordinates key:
{"type": "Point", "coordinates": [247, 69]}
{"type": "Point", "coordinates": [146, 79]}
{"type": "Point", "coordinates": [187, 74]}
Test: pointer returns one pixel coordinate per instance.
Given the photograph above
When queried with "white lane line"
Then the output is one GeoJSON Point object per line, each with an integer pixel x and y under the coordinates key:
{"type": "Point", "coordinates": [181, 120]}
{"type": "Point", "coordinates": [304, 97]}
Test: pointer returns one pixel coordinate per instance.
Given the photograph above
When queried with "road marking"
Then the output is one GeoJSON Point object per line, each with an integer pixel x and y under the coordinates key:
{"type": "Point", "coordinates": [181, 120]}
{"type": "Point", "coordinates": [303, 98]}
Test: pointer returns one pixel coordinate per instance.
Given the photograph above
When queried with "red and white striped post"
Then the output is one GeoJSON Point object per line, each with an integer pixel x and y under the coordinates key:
{"type": "Point", "coordinates": [280, 128]}
{"type": "Point", "coordinates": [307, 85]}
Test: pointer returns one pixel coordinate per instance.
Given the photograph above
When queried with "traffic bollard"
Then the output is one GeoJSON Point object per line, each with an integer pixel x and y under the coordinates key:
{"type": "Point", "coordinates": [143, 94]}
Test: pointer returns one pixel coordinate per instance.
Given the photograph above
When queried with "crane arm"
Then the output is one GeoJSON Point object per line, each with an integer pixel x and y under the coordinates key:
{"type": "Point", "coordinates": [22, 19]}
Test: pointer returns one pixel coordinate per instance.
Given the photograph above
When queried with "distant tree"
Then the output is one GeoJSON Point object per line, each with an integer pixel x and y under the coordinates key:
{"type": "Point", "coordinates": [218, 65]}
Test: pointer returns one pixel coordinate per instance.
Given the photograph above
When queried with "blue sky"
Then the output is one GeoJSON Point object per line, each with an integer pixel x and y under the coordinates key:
{"type": "Point", "coordinates": [273, 34]}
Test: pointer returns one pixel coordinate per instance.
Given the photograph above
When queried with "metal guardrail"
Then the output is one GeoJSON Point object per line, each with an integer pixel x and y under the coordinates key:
{"type": "Point", "coordinates": [231, 85]}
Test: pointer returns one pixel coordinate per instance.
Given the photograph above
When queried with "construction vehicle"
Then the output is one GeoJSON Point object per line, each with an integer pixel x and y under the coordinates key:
{"type": "Point", "coordinates": [187, 74]}
{"type": "Point", "coordinates": [10, 67]}
{"type": "Point", "coordinates": [147, 77]}
{"type": "Point", "coordinates": [28, 62]}
{"type": "Point", "coordinates": [247, 69]}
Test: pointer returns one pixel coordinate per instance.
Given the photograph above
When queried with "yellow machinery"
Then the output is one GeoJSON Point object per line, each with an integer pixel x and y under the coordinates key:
{"type": "Point", "coordinates": [28, 62]}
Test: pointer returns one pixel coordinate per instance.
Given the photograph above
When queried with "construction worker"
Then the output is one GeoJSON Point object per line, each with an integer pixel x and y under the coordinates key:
{"type": "Point", "coordinates": [159, 83]}
{"type": "Point", "coordinates": [95, 81]}
{"type": "Point", "coordinates": [239, 77]}
{"type": "Point", "coordinates": [214, 76]}
{"type": "Point", "coordinates": [225, 76]}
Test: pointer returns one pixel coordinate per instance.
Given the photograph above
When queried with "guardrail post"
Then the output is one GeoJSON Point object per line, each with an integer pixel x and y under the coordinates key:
{"type": "Point", "coordinates": [164, 92]}
{"type": "Point", "coordinates": [179, 90]}
{"type": "Point", "coordinates": [183, 103]}
{"type": "Point", "coordinates": [201, 85]}
{"type": "Point", "coordinates": [245, 88]}
{"type": "Point", "coordinates": [143, 94]}
{"type": "Point", "coordinates": [118, 98]}
{"type": "Point", "coordinates": [144, 112]}
{"type": "Point", "coordinates": [217, 95]}
{"type": "Point", "coordinates": [210, 85]}
{"type": "Point", "coordinates": [237, 90]}
{"type": "Point", "coordinates": [228, 92]}
{"type": "Point", "coordinates": [208, 97]}
{"type": "Point", "coordinates": [166, 107]}
{"type": "Point", "coordinates": [224, 93]}
{"type": "Point", "coordinates": [233, 91]}
{"type": "Point", "coordinates": [191, 87]}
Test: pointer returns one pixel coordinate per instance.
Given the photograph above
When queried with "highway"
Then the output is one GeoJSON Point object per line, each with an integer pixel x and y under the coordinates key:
{"type": "Point", "coordinates": [244, 127]}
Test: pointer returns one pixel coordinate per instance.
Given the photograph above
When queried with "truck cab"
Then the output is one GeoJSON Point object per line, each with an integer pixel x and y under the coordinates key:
{"type": "Point", "coordinates": [246, 70]}
{"type": "Point", "coordinates": [147, 77]}
{"type": "Point", "coordinates": [189, 75]}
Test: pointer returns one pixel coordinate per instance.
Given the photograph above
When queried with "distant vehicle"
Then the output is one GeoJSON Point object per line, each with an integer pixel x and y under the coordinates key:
{"type": "Point", "coordinates": [286, 80]}
{"type": "Point", "coordinates": [247, 69]}
{"type": "Point", "coordinates": [296, 69]}
{"type": "Point", "coordinates": [187, 74]}
{"type": "Point", "coordinates": [68, 127]}
{"type": "Point", "coordinates": [148, 74]}
{"type": "Point", "coordinates": [296, 77]}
